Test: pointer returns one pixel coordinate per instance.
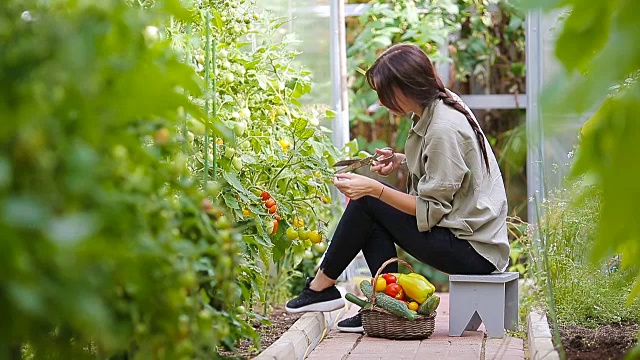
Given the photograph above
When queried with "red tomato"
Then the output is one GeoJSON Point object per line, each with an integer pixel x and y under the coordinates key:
{"type": "Point", "coordinates": [269, 203]}
{"type": "Point", "coordinates": [389, 278]}
{"type": "Point", "coordinates": [265, 196]}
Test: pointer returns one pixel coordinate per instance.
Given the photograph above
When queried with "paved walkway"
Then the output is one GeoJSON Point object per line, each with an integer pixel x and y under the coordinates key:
{"type": "Point", "coordinates": [472, 345]}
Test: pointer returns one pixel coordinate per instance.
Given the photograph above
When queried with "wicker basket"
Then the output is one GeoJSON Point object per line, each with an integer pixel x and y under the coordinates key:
{"type": "Point", "coordinates": [378, 322]}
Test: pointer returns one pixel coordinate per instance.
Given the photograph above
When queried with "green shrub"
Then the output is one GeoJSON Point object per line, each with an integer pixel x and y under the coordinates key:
{"type": "Point", "coordinates": [584, 292]}
{"type": "Point", "coordinates": [108, 244]}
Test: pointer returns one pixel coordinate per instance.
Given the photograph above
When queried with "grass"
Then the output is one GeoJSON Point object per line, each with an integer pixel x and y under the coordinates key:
{"type": "Point", "coordinates": [585, 293]}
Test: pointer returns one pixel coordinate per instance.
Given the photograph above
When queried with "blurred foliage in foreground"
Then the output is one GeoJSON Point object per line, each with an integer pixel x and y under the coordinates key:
{"type": "Point", "coordinates": [597, 47]}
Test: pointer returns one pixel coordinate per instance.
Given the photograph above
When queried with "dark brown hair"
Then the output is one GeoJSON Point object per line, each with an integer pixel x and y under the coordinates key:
{"type": "Point", "coordinates": [406, 68]}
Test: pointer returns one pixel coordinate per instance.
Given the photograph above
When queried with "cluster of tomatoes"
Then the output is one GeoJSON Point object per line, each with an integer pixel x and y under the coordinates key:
{"type": "Point", "coordinates": [272, 208]}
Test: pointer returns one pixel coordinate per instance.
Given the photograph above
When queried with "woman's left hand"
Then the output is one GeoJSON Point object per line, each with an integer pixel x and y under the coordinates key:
{"type": "Point", "coordinates": [355, 186]}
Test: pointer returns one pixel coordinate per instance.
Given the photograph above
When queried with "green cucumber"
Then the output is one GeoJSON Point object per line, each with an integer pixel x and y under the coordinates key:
{"type": "Point", "coordinates": [386, 302]}
{"type": "Point", "coordinates": [430, 305]}
{"type": "Point", "coordinates": [356, 300]}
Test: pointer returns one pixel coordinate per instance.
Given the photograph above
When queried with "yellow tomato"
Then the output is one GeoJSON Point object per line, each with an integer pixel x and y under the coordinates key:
{"type": "Point", "coordinates": [381, 284]}
{"type": "Point", "coordinates": [413, 306]}
{"type": "Point", "coordinates": [315, 236]}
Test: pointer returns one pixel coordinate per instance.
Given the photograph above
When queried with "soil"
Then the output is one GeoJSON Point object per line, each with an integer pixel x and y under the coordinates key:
{"type": "Point", "coordinates": [281, 321]}
{"type": "Point", "coordinates": [602, 343]}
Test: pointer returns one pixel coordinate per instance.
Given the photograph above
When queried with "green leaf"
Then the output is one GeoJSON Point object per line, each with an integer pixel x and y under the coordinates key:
{"type": "Point", "coordinates": [584, 34]}
{"type": "Point", "coordinates": [232, 179]}
{"type": "Point", "coordinates": [230, 201]}
{"type": "Point", "coordinates": [217, 19]}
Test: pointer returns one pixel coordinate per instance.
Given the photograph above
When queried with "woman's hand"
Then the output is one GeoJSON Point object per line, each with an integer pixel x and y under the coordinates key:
{"type": "Point", "coordinates": [386, 167]}
{"type": "Point", "coordinates": [355, 186]}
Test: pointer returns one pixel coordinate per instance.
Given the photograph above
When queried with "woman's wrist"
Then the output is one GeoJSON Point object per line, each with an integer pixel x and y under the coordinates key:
{"type": "Point", "coordinates": [376, 189]}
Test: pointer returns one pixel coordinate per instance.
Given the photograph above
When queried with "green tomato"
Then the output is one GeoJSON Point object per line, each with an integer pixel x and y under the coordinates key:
{"type": "Point", "coordinates": [239, 69]}
{"type": "Point", "coordinates": [197, 127]}
{"type": "Point", "coordinates": [222, 54]}
{"type": "Point", "coordinates": [320, 247]}
{"type": "Point", "coordinates": [119, 152]}
{"type": "Point", "coordinates": [235, 115]}
{"type": "Point", "coordinates": [241, 310]}
{"type": "Point", "coordinates": [237, 163]}
{"type": "Point", "coordinates": [223, 223]}
{"type": "Point", "coordinates": [239, 128]}
{"type": "Point", "coordinates": [190, 136]}
{"type": "Point", "coordinates": [204, 314]}
{"type": "Point", "coordinates": [245, 113]}
{"type": "Point", "coordinates": [292, 233]}
{"type": "Point", "coordinates": [229, 152]}
{"type": "Point", "coordinates": [308, 255]}
{"type": "Point", "coordinates": [188, 279]}
{"type": "Point", "coordinates": [229, 78]}
{"type": "Point", "coordinates": [245, 145]}
{"type": "Point", "coordinates": [180, 163]}
{"type": "Point", "coordinates": [303, 234]}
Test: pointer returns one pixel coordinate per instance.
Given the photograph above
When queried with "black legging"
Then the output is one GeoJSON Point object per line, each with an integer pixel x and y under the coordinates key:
{"type": "Point", "coordinates": [373, 226]}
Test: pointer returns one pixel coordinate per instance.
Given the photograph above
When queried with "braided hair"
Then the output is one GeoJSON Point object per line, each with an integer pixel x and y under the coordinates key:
{"type": "Point", "coordinates": [407, 69]}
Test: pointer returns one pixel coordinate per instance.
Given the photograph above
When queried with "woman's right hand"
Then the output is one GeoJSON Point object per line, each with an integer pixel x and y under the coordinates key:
{"type": "Point", "coordinates": [386, 167]}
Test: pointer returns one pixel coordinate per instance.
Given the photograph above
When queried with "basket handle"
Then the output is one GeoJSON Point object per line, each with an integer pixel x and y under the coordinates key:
{"type": "Point", "coordinates": [375, 279]}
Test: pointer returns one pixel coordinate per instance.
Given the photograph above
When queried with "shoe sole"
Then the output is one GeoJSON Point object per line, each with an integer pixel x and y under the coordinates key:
{"type": "Point", "coordinates": [351, 329]}
{"type": "Point", "coordinates": [325, 306]}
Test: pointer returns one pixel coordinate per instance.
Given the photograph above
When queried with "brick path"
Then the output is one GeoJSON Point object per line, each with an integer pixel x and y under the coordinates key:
{"type": "Point", "coordinates": [472, 345]}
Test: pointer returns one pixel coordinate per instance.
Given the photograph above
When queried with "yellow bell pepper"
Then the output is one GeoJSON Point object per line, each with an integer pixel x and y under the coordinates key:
{"type": "Point", "coordinates": [416, 287]}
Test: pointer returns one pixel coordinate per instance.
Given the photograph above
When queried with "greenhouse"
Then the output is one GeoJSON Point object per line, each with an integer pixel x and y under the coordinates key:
{"type": "Point", "coordinates": [319, 179]}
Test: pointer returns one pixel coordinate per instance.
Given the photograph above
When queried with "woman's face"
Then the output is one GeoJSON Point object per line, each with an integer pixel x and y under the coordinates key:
{"type": "Point", "coordinates": [406, 104]}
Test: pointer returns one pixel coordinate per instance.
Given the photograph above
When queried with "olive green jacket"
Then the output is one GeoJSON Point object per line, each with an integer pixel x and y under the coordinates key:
{"type": "Point", "coordinates": [452, 186]}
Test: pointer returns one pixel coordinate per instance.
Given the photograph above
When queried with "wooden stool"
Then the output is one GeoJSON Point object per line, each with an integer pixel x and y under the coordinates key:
{"type": "Point", "coordinates": [489, 299]}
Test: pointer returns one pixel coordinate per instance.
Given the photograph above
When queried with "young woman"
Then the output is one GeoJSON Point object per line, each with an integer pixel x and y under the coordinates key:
{"type": "Point", "coordinates": [453, 215]}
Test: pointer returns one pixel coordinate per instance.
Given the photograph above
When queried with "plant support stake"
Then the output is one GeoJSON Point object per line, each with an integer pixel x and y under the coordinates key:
{"type": "Point", "coordinates": [213, 94]}
{"type": "Point", "coordinates": [207, 77]}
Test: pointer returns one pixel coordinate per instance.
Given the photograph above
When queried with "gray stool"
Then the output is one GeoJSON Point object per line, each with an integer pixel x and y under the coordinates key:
{"type": "Point", "coordinates": [489, 299]}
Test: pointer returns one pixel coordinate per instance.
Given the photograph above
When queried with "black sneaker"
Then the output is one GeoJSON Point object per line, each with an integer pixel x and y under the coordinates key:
{"type": "Point", "coordinates": [328, 299]}
{"type": "Point", "coordinates": [352, 324]}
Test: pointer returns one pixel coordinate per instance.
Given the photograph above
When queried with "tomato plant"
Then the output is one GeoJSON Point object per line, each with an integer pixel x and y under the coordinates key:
{"type": "Point", "coordinates": [279, 169]}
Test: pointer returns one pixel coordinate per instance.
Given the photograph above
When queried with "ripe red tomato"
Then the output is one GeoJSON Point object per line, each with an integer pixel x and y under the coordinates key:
{"type": "Point", "coordinates": [389, 278]}
{"type": "Point", "coordinates": [265, 196]}
{"type": "Point", "coordinates": [269, 203]}
{"type": "Point", "coordinates": [275, 227]}
{"type": "Point", "coordinates": [273, 209]}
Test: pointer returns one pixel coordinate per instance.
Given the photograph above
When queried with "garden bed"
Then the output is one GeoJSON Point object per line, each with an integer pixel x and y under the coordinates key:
{"type": "Point", "coordinates": [281, 321]}
{"type": "Point", "coordinates": [604, 342]}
